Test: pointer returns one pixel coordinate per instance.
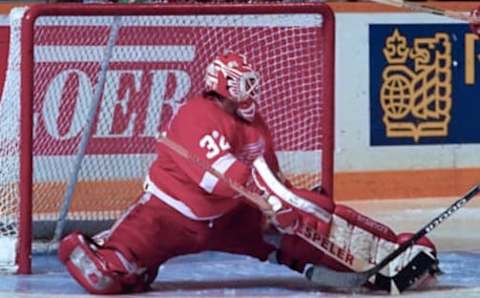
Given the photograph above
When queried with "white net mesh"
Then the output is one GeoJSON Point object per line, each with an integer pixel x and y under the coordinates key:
{"type": "Point", "coordinates": [9, 149]}
{"type": "Point", "coordinates": [157, 62]}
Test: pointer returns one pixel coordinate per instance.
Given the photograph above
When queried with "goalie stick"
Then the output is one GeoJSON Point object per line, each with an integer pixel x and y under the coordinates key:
{"type": "Point", "coordinates": [329, 278]}
{"type": "Point", "coordinates": [429, 9]}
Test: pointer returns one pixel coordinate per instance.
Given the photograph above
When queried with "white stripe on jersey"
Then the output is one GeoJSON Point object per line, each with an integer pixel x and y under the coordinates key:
{"type": "Point", "coordinates": [176, 204]}
{"type": "Point", "coordinates": [209, 181]}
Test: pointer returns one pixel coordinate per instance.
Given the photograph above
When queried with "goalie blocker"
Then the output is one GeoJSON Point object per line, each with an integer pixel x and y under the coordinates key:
{"type": "Point", "coordinates": [342, 240]}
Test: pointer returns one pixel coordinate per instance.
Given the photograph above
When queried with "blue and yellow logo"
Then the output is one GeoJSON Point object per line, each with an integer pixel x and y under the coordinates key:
{"type": "Point", "coordinates": [416, 102]}
{"type": "Point", "coordinates": [418, 75]}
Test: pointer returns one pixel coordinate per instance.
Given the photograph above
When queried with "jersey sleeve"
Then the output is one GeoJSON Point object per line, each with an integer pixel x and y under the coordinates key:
{"type": "Point", "coordinates": [211, 140]}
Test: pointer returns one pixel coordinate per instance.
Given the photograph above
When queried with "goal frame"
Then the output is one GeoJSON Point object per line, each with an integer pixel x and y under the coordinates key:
{"type": "Point", "coordinates": [24, 248]}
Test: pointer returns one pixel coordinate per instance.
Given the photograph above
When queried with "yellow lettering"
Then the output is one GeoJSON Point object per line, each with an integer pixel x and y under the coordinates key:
{"type": "Point", "coordinates": [470, 56]}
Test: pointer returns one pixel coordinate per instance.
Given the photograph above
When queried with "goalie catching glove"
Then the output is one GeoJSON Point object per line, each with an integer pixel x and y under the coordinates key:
{"type": "Point", "coordinates": [292, 211]}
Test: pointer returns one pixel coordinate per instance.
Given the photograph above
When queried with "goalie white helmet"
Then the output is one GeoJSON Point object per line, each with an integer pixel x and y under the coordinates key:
{"type": "Point", "coordinates": [230, 76]}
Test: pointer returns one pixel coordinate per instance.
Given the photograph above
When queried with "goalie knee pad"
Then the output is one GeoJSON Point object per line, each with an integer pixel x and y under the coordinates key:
{"type": "Point", "coordinates": [101, 271]}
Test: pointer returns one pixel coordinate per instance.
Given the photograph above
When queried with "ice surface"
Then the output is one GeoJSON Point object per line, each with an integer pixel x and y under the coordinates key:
{"type": "Point", "coordinates": [224, 275]}
{"type": "Point", "coordinates": [212, 274]}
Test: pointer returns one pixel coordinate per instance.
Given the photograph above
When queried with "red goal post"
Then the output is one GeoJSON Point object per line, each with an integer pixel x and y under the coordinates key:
{"type": "Point", "coordinates": [157, 60]}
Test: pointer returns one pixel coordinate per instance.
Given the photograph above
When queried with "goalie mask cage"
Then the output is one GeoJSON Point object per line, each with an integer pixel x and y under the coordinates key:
{"type": "Point", "coordinates": [140, 62]}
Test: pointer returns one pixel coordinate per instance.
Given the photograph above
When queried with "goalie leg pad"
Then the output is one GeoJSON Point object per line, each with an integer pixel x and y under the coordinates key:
{"type": "Point", "coordinates": [100, 270]}
{"type": "Point", "coordinates": [356, 219]}
{"type": "Point", "coordinates": [86, 267]}
{"type": "Point", "coordinates": [362, 236]}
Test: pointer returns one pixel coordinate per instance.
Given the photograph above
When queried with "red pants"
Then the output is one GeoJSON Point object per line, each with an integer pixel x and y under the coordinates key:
{"type": "Point", "coordinates": [152, 232]}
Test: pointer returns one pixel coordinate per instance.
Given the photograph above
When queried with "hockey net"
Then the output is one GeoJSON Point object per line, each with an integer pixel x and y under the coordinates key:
{"type": "Point", "coordinates": [157, 59]}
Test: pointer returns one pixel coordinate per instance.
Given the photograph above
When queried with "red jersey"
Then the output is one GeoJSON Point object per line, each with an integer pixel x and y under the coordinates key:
{"type": "Point", "coordinates": [224, 141]}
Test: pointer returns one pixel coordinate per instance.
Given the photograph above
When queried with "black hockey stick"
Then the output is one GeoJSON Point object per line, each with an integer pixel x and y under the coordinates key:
{"type": "Point", "coordinates": [358, 279]}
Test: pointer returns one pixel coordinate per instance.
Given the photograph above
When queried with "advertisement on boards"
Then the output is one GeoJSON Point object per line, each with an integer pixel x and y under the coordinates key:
{"type": "Point", "coordinates": [424, 82]}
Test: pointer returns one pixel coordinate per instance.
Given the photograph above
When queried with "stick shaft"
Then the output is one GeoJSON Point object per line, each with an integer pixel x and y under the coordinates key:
{"type": "Point", "coordinates": [428, 9]}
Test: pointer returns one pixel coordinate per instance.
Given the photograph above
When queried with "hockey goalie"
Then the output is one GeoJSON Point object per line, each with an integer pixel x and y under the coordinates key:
{"type": "Point", "coordinates": [184, 209]}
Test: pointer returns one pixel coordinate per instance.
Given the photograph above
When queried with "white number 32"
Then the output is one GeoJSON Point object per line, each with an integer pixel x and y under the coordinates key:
{"type": "Point", "coordinates": [214, 143]}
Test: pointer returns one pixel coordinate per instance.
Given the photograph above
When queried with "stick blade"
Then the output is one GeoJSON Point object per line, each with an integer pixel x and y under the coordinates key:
{"type": "Point", "coordinates": [324, 277]}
